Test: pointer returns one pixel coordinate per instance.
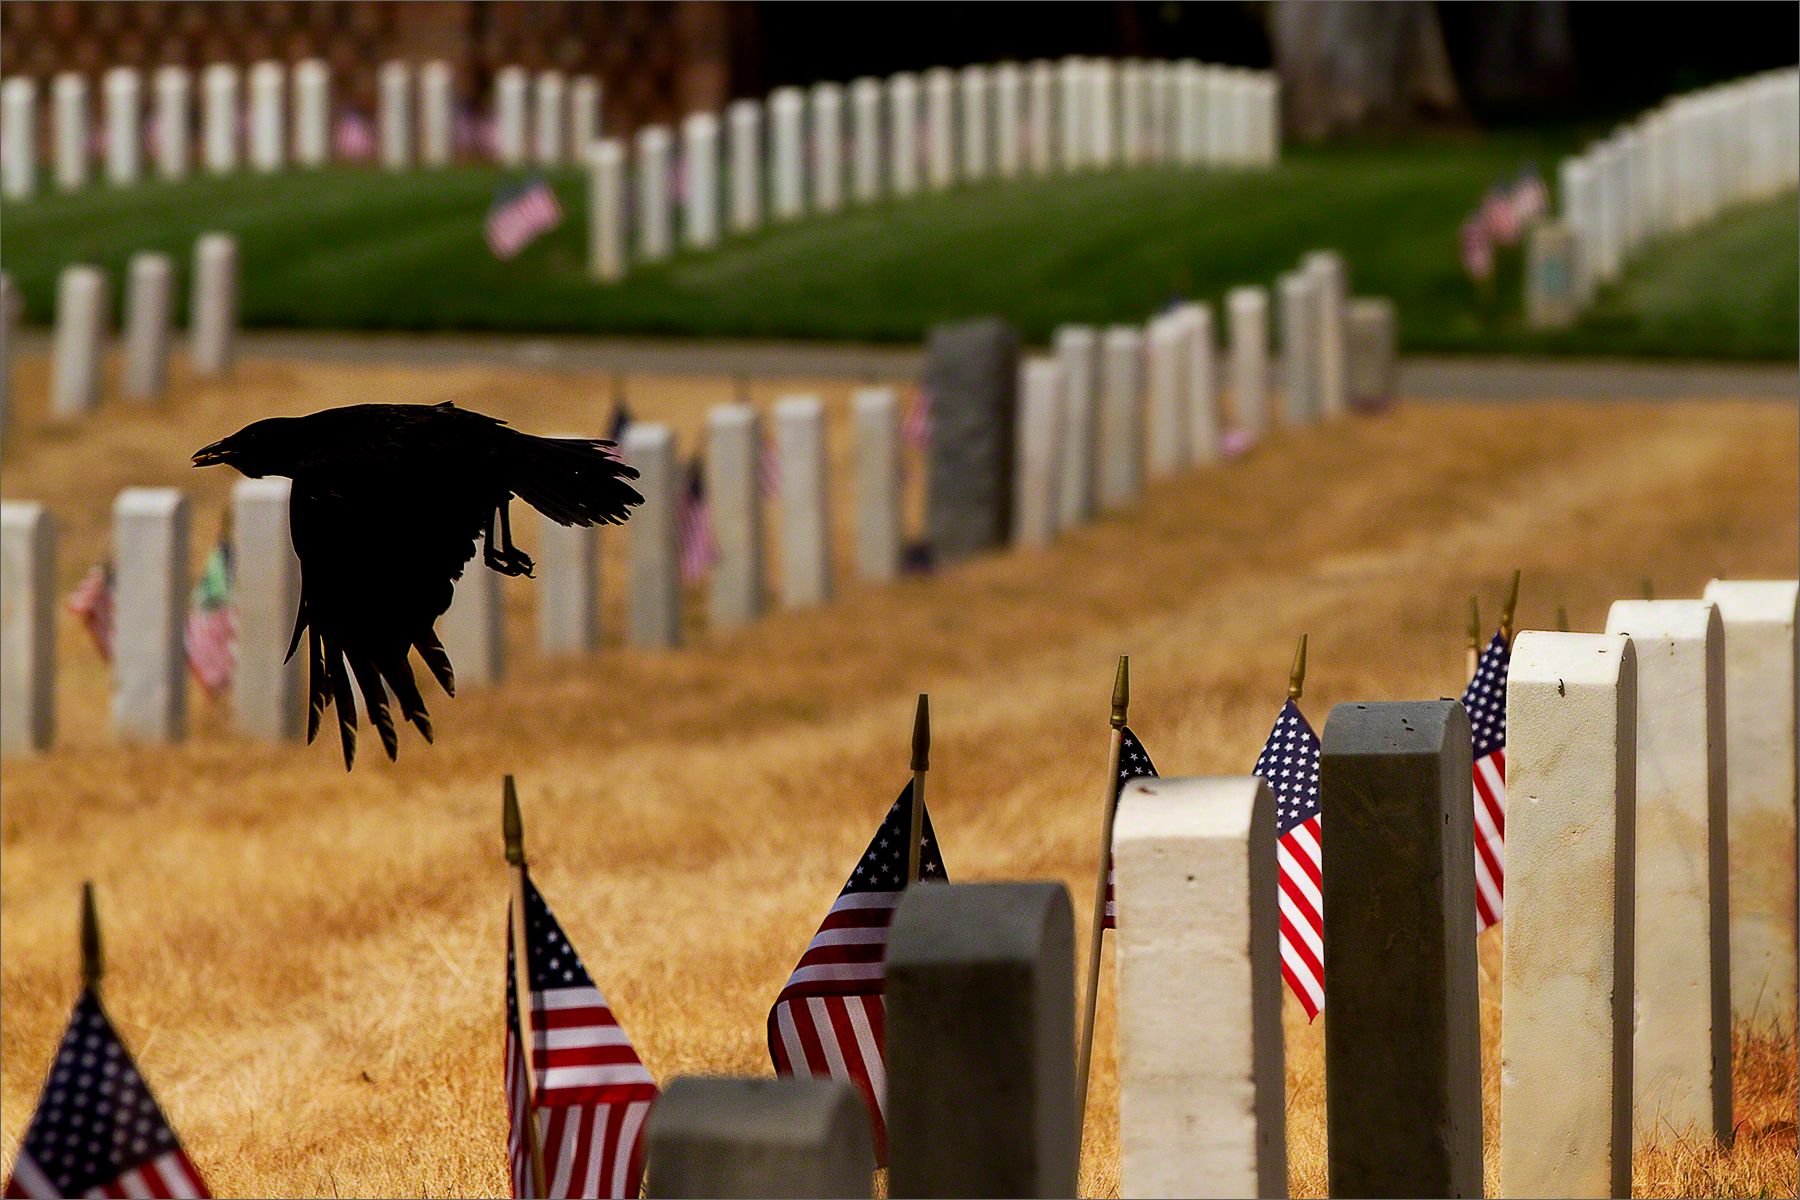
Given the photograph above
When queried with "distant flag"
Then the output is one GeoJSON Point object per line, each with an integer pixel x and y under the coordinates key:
{"type": "Point", "coordinates": [1499, 216]}
{"type": "Point", "coordinates": [830, 1020]}
{"type": "Point", "coordinates": [353, 140]}
{"type": "Point", "coordinates": [1477, 249]}
{"type": "Point", "coordinates": [1289, 764]}
{"type": "Point", "coordinates": [1530, 197]}
{"type": "Point", "coordinates": [1134, 763]}
{"type": "Point", "coordinates": [699, 542]}
{"type": "Point", "coordinates": [592, 1092]}
{"type": "Point", "coordinates": [1236, 443]}
{"type": "Point", "coordinates": [768, 464]}
{"type": "Point", "coordinates": [92, 604]}
{"type": "Point", "coordinates": [212, 624]}
{"type": "Point", "coordinates": [915, 427]}
{"type": "Point", "coordinates": [519, 216]}
{"type": "Point", "coordinates": [621, 421]}
{"type": "Point", "coordinates": [1485, 700]}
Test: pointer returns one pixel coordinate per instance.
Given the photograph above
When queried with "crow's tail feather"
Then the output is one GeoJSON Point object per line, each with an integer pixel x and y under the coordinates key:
{"type": "Point", "coordinates": [573, 481]}
{"type": "Point", "coordinates": [375, 701]}
{"type": "Point", "coordinates": [431, 651]}
{"type": "Point", "coordinates": [319, 687]}
{"type": "Point", "coordinates": [399, 675]}
{"type": "Point", "coordinates": [345, 702]}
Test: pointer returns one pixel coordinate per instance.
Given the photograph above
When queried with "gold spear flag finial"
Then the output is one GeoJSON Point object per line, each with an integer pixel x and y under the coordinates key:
{"type": "Point", "coordinates": [93, 961]}
{"type": "Point", "coordinates": [1511, 608]}
{"type": "Point", "coordinates": [512, 826]}
{"type": "Point", "coordinates": [921, 756]}
{"type": "Point", "coordinates": [1562, 619]}
{"type": "Point", "coordinates": [1297, 673]}
{"type": "Point", "coordinates": [1121, 692]}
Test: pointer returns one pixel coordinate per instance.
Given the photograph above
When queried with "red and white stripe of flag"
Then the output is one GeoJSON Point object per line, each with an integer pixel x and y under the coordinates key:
{"type": "Point", "coordinates": [1299, 860]}
{"type": "Point", "coordinates": [1490, 838]}
{"type": "Point", "coordinates": [169, 1176]}
{"type": "Point", "coordinates": [519, 222]}
{"type": "Point", "coordinates": [212, 647]}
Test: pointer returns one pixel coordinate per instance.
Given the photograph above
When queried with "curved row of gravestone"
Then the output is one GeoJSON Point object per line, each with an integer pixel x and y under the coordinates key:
{"type": "Point", "coordinates": [1685, 162]}
{"type": "Point", "coordinates": [1017, 450]}
{"type": "Point", "coordinates": [1627, 955]}
{"type": "Point", "coordinates": [1109, 112]}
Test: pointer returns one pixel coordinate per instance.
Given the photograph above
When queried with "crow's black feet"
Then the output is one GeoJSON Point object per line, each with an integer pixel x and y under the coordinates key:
{"type": "Point", "coordinates": [510, 560]}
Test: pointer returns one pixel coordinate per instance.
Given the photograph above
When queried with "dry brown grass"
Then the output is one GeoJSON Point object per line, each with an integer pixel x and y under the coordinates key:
{"type": "Point", "coordinates": [308, 964]}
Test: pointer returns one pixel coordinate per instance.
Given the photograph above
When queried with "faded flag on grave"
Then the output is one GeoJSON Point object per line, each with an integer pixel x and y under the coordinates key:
{"type": "Point", "coordinates": [519, 216]}
{"type": "Point", "coordinates": [915, 426]}
{"type": "Point", "coordinates": [1289, 764]}
{"type": "Point", "coordinates": [699, 542]}
{"type": "Point", "coordinates": [92, 604]}
{"type": "Point", "coordinates": [97, 1130]}
{"type": "Point", "coordinates": [1134, 763]}
{"type": "Point", "coordinates": [353, 138]}
{"type": "Point", "coordinates": [592, 1092]}
{"type": "Point", "coordinates": [1485, 700]}
{"type": "Point", "coordinates": [211, 633]}
{"type": "Point", "coordinates": [830, 1019]}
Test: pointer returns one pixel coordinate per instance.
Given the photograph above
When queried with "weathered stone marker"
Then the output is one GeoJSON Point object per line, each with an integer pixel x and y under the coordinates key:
{"type": "Point", "coordinates": [584, 115]}
{"type": "Point", "coordinates": [268, 116]}
{"type": "Point", "coordinates": [1038, 457]}
{"type": "Point", "coordinates": [1332, 280]}
{"type": "Point", "coordinates": [1565, 1046]}
{"type": "Point", "coordinates": [266, 696]}
{"type": "Point", "coordinates": [744, 133]}
{"type": "Point", "coordinates": [825, 105]}
{"type": "Point", "coordinates": [27, 628]}
{"type": "Point", "coordinates": [606, 209]}
{"type": "Point", "coordinates": [1372, 334]}
{"type": "Point", "coordinates": [395, 114]}
{"type": "Point", "coordinates": [124, 125]}
{"type": "Point", "coordinates": [1078, 350]}
{"type": "Point", "coordinates": [1202, 1107]}
{"type": "Point", "coordinates": [1166, 382]}
{"type": "Point", "coordinates": [1202, 387]}
{"type": "Point", "coordinates": [1300, 383]}
{"type": "Point", "coordinates": [865, 135]}
{"type": "Point", "coordinates": [81, 308]}
{"type": "Point", "coordinates": [436, 113]}
{"type": "Point", "coordinates": [214, 311]}
{"type": "Point", "coordinates": [655, 226]}
{"type": "Point", "coordinates": [787, 111]}
{"type": "Point", "coordinates": [734, 444]}
{"type": "Point", "coordinates": [18, 138]}
{"type": "Point", "coordinates": [1248, 309]}
{"type": "Point", "coordinates": [700, 163]}
{"type": "Point", "coordinates": [1681, 1072]}
{"type": "Point", "coordinates": [149, 309]}
{"type": "Point", "coordinates": [69, 116]}
{"type": "Point", "coordinates": [473, 629]}
{"type": "Point", "coordinates": [511, 100]}
{"type": "Point", "coordinates": [150, 558]}
{"type": "Point", "coordinates": [550, 135]}
{"type": "Point", "coordinates": [1040, 117]}
{"type": "Point", "coordinates": [1758, 616]}
{"type": "Point", "coordinates": [903, 133]}
{"type": "Point", "coordinates": [652, 539]}
{"type": "Point", "coordinates": [1551, 276]}
{"type": "Point", "coordinates": [878, 483]}
{"type": "Point", "coordinates": [1009, 126]}
{"type": "Point", "coordinates": [793, 1137]}
{"type": "Point", "coordinates": [568, 587]}
{"type": "Point", "coordinates": [174, 140]}
{"type": "Point", "coordinates": [219, 106]}
{"type": "Point", "coordinates": [972, 376]}
{"type": "Point", "coordinates": [1121, 442]}
{"type": "Point", "coordinates": [805, 501]}
{"type": "Point", "coordinates": [975, 89]}
{"type": "Point", "coordinates": [940, 128]}
{"type": "Point", "coordinates": [312, 113]}
{"type": "Point", "coordinates": [981, 1041]}
{"type": "Point", "coordinates": [1402, 1045]}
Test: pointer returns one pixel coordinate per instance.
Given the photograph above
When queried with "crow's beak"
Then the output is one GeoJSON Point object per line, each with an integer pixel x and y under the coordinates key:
{"type": "Point", "coordinates": [210, 456]}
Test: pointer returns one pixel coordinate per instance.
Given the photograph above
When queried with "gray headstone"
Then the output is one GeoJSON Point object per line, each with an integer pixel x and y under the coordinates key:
{"type": "Point", "coordinates": [797, 1137]}
{"type": "Point", "coordinates": [27, 627]}
{"type": "Point", "coordinates": [981, 1041]}
{"type": "Point", "coordinates": [174, 136]}
{"type": "Point", "coordinates": [734, 447]}
{"type": "Point", "coordinates": [1039, 458]}
{"type": "Point", "coordinates": [149, 311]}
{"type": "Point", "coordinates": [971, 374]}
{"type": "Point", "coordinates": [652, 539]}
{"type": "Point", "coordinates": [1300, 332]}
{"type": "Point", "coordinates": [1551, 276]}
{"type": "Point", "coordinates": [81, 323]}
{"type": "Point", "coordinates": [805, 501]}
{"type": "Point", "coordinates": [1402, 1042]}
{"type": "Point", "coordinates": [436, 113]}
{"type": "Point", "coordinates": [878, 483]}
{"type": "Point", "coordinates": [473, 629]}
{"type": "Point", "coordinates": [265, 687]}
{"type": "Point", "coordinates": [568, 588]}
{"type": "Point", "coordinates": [1078, 350]}
{"type": "Point", "coordinates": [1121, 448]}
{"type": "Point", "coordinates": [1372, 334]}
{"type": "Point", "coordinates": [214, 313]}
{"type": "Point", "coordinates": [607, 257]}
{"type": "Point", "coordinates": [18, 138]}
{"type": "Point", "coordinates": [124, 124]}
{"type": "Point", "coordinates": [150, 558]}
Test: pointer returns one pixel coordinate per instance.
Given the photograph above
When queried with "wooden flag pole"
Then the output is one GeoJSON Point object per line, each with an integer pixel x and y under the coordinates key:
{"type": "Point", "coordinates": [1509, 611]}
{"type": "Point", "coordinates": [512, 829]}
{"type": "Point", "coordinates": [1297, 673]}
{"type": "Point", "coordinates": [921, 762]}
{"type": "Point", "coordinates": [1121, 700]}
{"type": "Point", "coordinates": [93, 960]}
{"type": "Point", "coordinates": [1473, 658]}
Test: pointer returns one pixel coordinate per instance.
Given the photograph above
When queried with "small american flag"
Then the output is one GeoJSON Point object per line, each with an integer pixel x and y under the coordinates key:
{"type": "Point", "coordinates": [97, 1130]}
{"type": "Point", "coordinates": [592, 1092]}
{"type": "Point", "coordinates": [1485, 700]}
{"type": "Point", "coordinates": [212, 625]}
{"type": "Point", "coordinates": [353, 140]}
{"type": "Point", "coordinates": [915, 427]}
{"type": "Point", "coordinates": [519, 216]}
{"type": "Point", "coordinates": [1289, 764]}
{"type": "Point", "coordinates": [1530, 198]}
{"type": "Point", "coordinates": [1134, 763]}
{"type": "Point", "coordinates": [1500, 216]}
{"type": "Point", "coordinates": [699, 543]}
{"type": "Point", "coordinates": [830, 1020]}
{"type": "Point", "coordinates": [92, 604]}
{"type": "Point", "coordinates": [1477, 249]}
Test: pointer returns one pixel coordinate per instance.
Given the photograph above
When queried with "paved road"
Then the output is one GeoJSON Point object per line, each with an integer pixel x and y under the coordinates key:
{"type": "Point", "coordinates": [1421, 377]}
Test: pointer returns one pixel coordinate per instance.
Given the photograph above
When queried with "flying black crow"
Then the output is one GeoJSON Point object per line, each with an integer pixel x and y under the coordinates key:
{"type": "Point", "coordinates": [388, 500]}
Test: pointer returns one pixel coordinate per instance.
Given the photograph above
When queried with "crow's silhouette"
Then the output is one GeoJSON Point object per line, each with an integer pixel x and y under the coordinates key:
{"type": "Point", "coordinates": [387, 502]}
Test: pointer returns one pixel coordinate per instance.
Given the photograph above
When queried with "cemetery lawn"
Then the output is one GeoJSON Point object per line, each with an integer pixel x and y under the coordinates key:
{"type": "Point", "coordinates": [350, 249]}
{"type": "Point", "coordinates": [309, 964]}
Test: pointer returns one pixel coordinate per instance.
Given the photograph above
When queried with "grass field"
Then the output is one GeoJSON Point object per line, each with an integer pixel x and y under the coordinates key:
{"type": "Point", "coordinates": [310, 964]}
{"type": "Point", "coordinates": [361, 249]}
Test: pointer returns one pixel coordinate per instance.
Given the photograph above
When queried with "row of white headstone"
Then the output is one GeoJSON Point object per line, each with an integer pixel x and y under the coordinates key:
{"type": "Point", "coordinates": [84, 310]}
{"type": "Point", "coordinates": [288, 121]}
{"type": "Point", "coordinates": [830, 146]}
{"type": "Point", "coordinates": [1107, 412]}
{"type": "Point", "coordinates": [1650, 891]}
{"type": "Point", "coordinates": [1678, 165]}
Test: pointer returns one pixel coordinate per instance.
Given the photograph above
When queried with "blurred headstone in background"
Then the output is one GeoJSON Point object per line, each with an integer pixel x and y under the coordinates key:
{"type": "Point", "coordinates": [971, 376]}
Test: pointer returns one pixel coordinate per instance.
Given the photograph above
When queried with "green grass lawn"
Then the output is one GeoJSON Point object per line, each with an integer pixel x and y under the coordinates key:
{"type": "Point", "coordinates": [360, 249]}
